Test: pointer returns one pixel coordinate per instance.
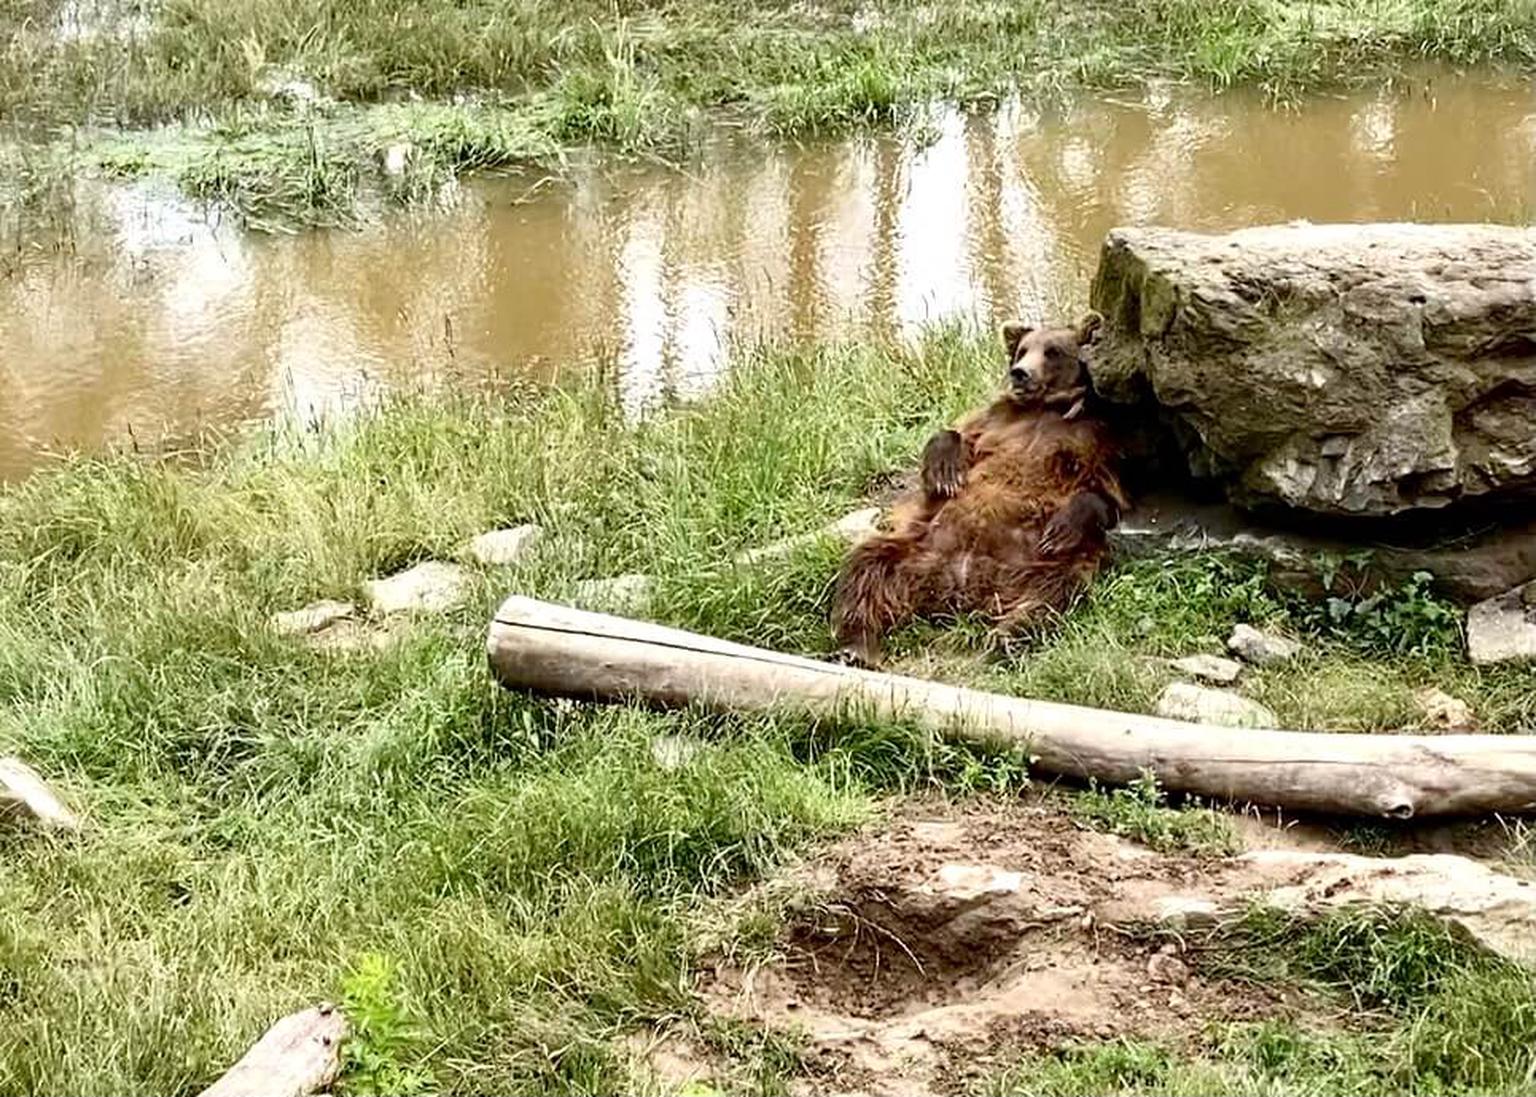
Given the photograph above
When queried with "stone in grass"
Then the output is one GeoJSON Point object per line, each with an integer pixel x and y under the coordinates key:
{"type": "Point", "coordinates": [502, 547]}
{"type": "Point", "coordinates": [671, 752]}
{"type": "Point", "coordinates": [1262, 649]}
{"type": "Point", "coordinates": [430, 587]}
{"type": "Point", "coordinates": [1218, 707]}
{"type": "Point", "coordinates": [1209, 668]}
{"type": "Point", "coordinates": [24, 795]}
{"type": "Point", "coordinates": [1442, 712]}
{"type": "Point", "coordinates": [621, 594]}
{"type": "Point", "coordinates": [1503, 629]}
{"type": "Point", "coordinates": [851, 528]}
{"type": "Point", "coordinates": [315, 617]}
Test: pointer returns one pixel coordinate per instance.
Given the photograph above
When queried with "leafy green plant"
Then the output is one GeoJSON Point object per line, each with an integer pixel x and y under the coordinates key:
{"type": "Point", "coordinates": [381, 1035]}
{"type": "Point", "coordinates": [1406, 620]}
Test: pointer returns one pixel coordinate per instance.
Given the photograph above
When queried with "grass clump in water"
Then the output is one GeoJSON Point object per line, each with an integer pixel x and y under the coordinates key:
{"type": "Point", "coordinates": [637, 78]}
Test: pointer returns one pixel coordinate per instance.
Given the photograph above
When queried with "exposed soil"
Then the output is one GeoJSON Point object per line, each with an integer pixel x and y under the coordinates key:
{"type": "Point", "coordinates": [959, 933]}
{"type": "Point", "coordinates": [934, 947]}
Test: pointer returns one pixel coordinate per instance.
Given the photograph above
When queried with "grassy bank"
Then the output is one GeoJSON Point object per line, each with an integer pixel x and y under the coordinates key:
{"type": "Point", "coordinates": [294, 104]}
{"type": "Point", "coordinates": [501, 885]}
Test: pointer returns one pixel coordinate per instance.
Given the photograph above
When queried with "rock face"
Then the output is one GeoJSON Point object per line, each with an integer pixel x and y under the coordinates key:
{"type": "Point", "coordinates": [1360, 370]}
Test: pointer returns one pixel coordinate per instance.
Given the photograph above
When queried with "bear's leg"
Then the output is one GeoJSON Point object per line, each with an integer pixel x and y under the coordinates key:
{"type": "Point", "coordinates": [1079, 526]}
{"type": "Point", "coordinates": [1039, 598]}
{"type": "Point", "coordinates": [878, 589]}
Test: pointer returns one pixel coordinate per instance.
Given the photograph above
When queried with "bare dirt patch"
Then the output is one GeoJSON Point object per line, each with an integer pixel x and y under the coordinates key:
{"type": "Point", "coordinates": [938, 944]}
{"type": "Point", "coordinates": [958, 932]}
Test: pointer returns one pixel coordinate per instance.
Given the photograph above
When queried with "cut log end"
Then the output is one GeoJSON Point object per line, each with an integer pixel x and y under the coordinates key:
{"type": "Point", "coordinates": [26, 797]}
{"type": "Point", "coordinates": [298, 1056]}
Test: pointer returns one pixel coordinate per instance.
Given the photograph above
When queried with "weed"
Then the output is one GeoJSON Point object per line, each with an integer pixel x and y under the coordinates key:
{"type": "Point", "coordinates": [1139, 811]}
{"type": "Point", "coordinates": [759, 1060]}
{"type": "Point", "coordinates": [380, 1035]}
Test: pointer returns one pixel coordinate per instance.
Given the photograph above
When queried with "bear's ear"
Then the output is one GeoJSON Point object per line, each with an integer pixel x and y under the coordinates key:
{"type": "Point", "coordinates": [1088, 328]}
{"type": "Point", "coordinates": [1013, 334]}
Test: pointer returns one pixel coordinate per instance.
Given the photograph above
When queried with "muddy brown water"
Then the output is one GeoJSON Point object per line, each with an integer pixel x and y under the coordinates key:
{"type": "Point", "coordinates": [159, 323]}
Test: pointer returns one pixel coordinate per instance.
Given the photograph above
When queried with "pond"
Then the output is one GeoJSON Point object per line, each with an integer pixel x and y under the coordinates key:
{"type": "Point", "coordinates": [158, 324]}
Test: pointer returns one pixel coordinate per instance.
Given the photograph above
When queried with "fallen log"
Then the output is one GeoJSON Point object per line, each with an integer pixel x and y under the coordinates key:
{"type": "Point", "coordinates": [24, 795]}
{"type": "Point", "coordinates": [556, 649]}
{"type": "Point", "coordinates": [299, 1055]}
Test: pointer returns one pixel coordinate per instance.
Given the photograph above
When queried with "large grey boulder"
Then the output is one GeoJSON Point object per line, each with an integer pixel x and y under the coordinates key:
{"type": "Point", "coordinates": [1344, 369]}
{"type": "Point", "coordinates": [1503, 629]}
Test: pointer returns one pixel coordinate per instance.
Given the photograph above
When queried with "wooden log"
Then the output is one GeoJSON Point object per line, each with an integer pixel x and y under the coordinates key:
{"type": "Point", "coordinates": [25, 795]}
{"type": "Point", "coordinates": [556, 649]}
{"type": "Point", "coordinates": [299, 1055]}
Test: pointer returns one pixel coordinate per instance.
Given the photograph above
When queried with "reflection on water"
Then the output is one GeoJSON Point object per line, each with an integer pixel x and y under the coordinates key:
{"type": "Point", "coordinates": [160, 325]}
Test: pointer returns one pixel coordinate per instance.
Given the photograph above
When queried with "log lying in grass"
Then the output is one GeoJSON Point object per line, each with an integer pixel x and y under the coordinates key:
{"type": "Point", "coordinates": [299, 1055]}
{"type": "Point", "coordinates": [25, 795]}
{"type": "Point", "coordinates": [556, 649]}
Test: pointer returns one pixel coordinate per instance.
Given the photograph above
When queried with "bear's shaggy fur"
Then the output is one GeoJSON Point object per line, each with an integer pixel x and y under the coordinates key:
{"type": "Point", "coordinates": [1011, 517]}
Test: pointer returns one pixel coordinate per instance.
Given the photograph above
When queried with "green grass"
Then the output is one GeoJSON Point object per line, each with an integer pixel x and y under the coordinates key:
{"type": "Point", "coordinates": [522, 78]}
{"type": "Point", "coordinates": [1430, 1015]}
{"type": "Point", "coordinates": [501, 886]}
{"type": "Point", "coordinates": [1140, 812]}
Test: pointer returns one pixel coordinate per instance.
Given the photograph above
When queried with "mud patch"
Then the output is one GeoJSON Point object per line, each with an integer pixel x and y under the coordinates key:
{"type": "Point", "coordinates": [961, 933]}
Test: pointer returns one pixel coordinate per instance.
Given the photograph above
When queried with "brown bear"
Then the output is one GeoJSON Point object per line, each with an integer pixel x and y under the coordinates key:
{"type": "Point", "coordinates": [1011, 517]}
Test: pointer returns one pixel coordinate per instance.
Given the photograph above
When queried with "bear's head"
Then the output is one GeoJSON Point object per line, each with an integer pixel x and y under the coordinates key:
{"type": "Point", "coordinates": [1048, 367]}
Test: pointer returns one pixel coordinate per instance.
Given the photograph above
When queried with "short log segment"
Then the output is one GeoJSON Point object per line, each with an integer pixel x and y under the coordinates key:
{"type": "Point", "coordinates": [556, 649]}
{"type": "Point", "coordinates": [299, 1055]}
{"type": "Point", "coordinates": [25, 796]}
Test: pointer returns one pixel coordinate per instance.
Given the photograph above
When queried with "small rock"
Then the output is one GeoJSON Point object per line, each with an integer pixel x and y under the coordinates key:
{"type": "Point", "coordinates": [1503, 629]}
{"type": "Point", "coordinates": [278, 83]}
{"type": "Point", "coordinates": [350, 636]}
{"type": "Point", "coordinates": [395, 158]}
{"type": "Point", "coordinates": [1182, 701]}
{"type": "Point", "coordinates": [501, 547]}
{"type": "Point", "coordinates": [673, 751]}
{"type": "Point", "coordinates": [1164, 966]}
{"type": "Point", "coordinates": [1261, 648]}
{"type": "Point", "coordinates": [1209, 668]}
{"type": "Point", "coordinates": [312, 618]}
{"type": "Point", "coordinates": [1186, 911]}
{"type": "Point", "coordinates": [621, 594]}
{"type": "Point", "coordinates": [430, 587]}
{"type": "Point", "coordinates": [850, 528]}
{"type": "Point", "coordinates": [858, 525]}
{"type": "Point", "coordinates": [25, 795]}
{"type": "Point", "coordinates": [1442, 712]}
{"type": "Point", "coordinates": [969, 882]}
